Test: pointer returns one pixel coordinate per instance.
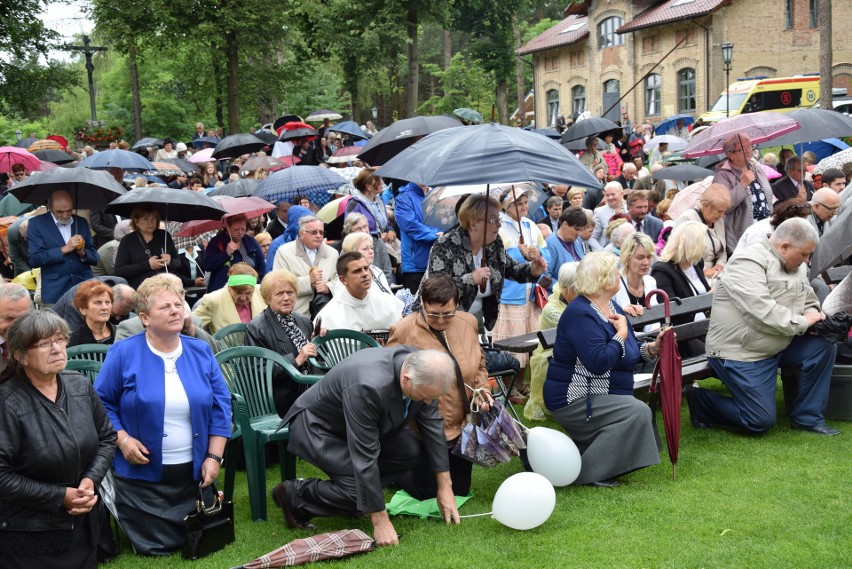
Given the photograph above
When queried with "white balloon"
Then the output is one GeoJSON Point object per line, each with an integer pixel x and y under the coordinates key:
{"type": "Point", "coordinates": [553, 455]}
{"type": "Point", "coordinates": [524, 501]}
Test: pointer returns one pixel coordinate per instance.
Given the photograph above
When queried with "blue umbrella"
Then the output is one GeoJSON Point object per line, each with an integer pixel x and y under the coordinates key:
{"type": "Point", "coordinates": [124, 159]}
{"type": "Point", "coordinates": [349, 127]}
{"type": "Point", "coordinates": [202, 140]}
{"type": "Point", "coordinates": [670, 122]}
{"type": "Point", "coordinates": [312, 182]}
{"type": "Point", "coordinates": [822, 148]}
{"type": "Point", "coordinates": [487, 154]}
{"type": "Point", "coordinates": [548, 132]}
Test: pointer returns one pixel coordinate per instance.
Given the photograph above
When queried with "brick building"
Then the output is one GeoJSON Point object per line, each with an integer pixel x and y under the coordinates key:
{"type": "Point", "coordinates": [672, 49]}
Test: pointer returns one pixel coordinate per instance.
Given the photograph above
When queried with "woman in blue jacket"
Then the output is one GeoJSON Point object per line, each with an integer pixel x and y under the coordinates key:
{"type": "Point", "coordinates": [170, 406]}
{"type": "Point", "coordinates": [230, 246]}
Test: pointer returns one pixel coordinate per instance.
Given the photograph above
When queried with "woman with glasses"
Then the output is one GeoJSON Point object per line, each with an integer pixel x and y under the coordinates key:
{"type": "Point", "coordinates": [440, 325]}
{"type": "Point", "coordinates": [751, 193]}
{"type": "Point", "coordinates": [166, 397]}
{"type": "Point", "coordinates": [56, 445]}
{"type": "Point", "coordinates": [232, 245]}
{"type": "Point", "coordinates": [283, 330]}
{"type": "Point", "coordinates": [712, 205]}
{"type": "Point", "coordinates": [459, 253]}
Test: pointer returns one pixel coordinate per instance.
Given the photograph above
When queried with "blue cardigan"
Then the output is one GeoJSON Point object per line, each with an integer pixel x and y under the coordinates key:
{"type": "Point", "coordinates": [133, 391]}
{"type": "Point", "coordinates": [584, 339]}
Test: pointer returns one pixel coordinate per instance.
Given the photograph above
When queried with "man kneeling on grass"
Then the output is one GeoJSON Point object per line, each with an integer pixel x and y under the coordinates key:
{"type": "Point", "coordinates": [762, 312]}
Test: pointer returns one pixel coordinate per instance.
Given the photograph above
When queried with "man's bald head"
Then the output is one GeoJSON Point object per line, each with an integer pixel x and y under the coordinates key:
{"type": "Point", "coordinates": [825, 203]}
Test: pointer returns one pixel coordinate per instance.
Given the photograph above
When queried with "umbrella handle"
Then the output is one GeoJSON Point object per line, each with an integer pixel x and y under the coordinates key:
{"type": "Point", "coordinates": [666, 303]}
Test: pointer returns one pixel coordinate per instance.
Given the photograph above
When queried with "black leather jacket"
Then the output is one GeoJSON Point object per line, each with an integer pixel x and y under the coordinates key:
{"type": "Point", "coordinates": [46, 447]}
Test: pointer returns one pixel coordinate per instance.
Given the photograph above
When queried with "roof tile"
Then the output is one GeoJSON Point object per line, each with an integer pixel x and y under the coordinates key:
{"type": "Point", "coordinates": [670, 11]}
{"type": "Point", "coordinates": [570, 30]}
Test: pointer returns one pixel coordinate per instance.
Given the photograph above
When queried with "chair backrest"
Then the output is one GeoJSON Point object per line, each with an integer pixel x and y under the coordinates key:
{"type": "Point", "coordinates": [248, 371]}
{"type": "Point", "coordinates": [94, 352]}
{"type": "Point", "coordinates": [231, 336]}
{"type": "Point", "coordinates": [89, 368]}
{"type": "Point", "coordinates": [338, 344]}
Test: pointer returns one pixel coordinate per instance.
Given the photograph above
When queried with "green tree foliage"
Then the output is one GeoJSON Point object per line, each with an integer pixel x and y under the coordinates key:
{"type": "Point", "coordinates": [463, 84]}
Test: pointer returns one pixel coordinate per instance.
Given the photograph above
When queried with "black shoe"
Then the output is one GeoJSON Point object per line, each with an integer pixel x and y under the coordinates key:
{"type": "Point", "coordinates": [279, 496]}
{"type": "Point", "coordinates": [688, 391]}
{"type": "Point", "coordinates": [611, 483]}
{"type": "Point", "coordinates": [823, 430]}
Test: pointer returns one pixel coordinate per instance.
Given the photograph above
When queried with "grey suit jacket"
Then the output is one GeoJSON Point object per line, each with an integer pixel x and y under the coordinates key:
{"type": "Point", "coordinates": [349, 412]}
{"type": "Point", "coordinates": [651, 226]}
{"type": "Point", "coordinates": [133, 326]}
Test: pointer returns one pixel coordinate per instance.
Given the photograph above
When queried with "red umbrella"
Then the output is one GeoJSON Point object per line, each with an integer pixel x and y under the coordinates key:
{"type": "Point", "coordinates": [11, 155]}
{"type": "Point", "coordinates": [330, 545]}
{"type": "Point", "coordinates": [63, 142]}
{"type": "Point", "coordinates": [249, 206]}
{"type": "Point", "coordinates": [293, 125]}
{"type": "Point", "coordinates": [667, 381]}
{"type": "Point", "coordinates": [759, 127]}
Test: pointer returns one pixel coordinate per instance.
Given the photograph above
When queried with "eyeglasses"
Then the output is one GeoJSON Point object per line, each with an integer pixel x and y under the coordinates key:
{"type": "Point", "coordinates": [830, 209]}
{"type": "Point", "coordinates": [61, 341]}
{"type": "Point", "coordinates": [492, 220]}
{"type": "Point", "coordinates": [436, 316]}
{"type": "Point", "coordinates": [315, 231]}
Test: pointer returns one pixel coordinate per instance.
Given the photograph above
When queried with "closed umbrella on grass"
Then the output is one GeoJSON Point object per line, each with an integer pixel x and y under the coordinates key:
{"type": "Point", "coordinates": [332, 545]}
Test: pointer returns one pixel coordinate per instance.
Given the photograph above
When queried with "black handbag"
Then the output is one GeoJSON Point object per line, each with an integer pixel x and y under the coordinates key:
{"type": "Point", "coordinates": [208, 529]}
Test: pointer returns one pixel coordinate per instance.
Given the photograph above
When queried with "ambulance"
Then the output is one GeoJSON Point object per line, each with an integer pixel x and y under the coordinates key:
{"type": "Point", "coordinates": [780, 95]}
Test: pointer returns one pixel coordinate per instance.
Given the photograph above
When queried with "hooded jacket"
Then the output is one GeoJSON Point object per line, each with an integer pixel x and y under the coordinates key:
{"type": "Point", "coordinates": [416, 238]}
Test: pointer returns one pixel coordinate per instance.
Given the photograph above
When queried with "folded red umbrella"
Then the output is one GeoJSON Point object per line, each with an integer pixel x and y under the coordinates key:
{"type": "Point", "coordinates": [332, 545]}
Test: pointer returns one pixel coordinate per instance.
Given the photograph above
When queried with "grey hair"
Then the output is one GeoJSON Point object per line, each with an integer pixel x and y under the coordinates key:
{"type": "Point", "coordinates": [796, 231]}
{"type": "Point", "coordinates": [304, 220]}
{"type": "Point", "coordinates": [121, 292]}
{"type": "Point", "coordinates": [351, 219]}
{"type": "Point", "coordinates": [568, 276]}
{"type": "Point", "coordinates": [552, 201]}
{"type": "Point", "coordinates": [621, 233]}
{"type": "Point", "coordinates": [27, 331]}
{"type": "Point", "coordinates": [13, 292]}
{"type": "Point", "coordinates": [425, 367]}
{"type": "Point", "coordinates": [793, 163]}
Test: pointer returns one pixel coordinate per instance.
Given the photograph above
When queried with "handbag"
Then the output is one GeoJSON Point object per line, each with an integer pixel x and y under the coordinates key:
{"type": "Point", "coordinates": [540, 296]}
{"type": "Point", "coordinates": [208, 529]}
{"type": "Point", "coordinates": [489, 438]}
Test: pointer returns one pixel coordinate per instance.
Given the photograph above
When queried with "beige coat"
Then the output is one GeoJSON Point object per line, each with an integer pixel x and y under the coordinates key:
{"type": "Point", "coordinates": [464, 344]}
{"type": "Point", "coordinates": [292, 257]}
{"type": "Point", "coordinates": [758, 307]}
{"type": "Point", "coordinates": [217, 309]}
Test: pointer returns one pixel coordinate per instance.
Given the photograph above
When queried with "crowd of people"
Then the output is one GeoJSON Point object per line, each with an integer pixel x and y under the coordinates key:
{"type": "Point", "coordinates": [158, 416]}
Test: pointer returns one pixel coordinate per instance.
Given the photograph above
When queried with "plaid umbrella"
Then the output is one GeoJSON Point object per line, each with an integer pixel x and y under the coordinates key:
{"type": "Point", "coordinates": [332, 545]}
{"type": "Point", "coordinates": [667, 382]}
{"type": "Point", "coordinates": [311, 182]}
{"type": "Point", "coordinates": [759, 127]}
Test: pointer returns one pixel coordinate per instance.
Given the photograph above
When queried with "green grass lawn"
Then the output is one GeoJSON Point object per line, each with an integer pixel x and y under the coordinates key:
{"type": "Point", "coordinates": [778, 500]}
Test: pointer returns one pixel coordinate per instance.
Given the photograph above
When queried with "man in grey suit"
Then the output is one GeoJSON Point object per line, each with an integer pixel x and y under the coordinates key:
{"type": "Point", "coordinates": [637, 209]}
{"type": "Point", "coordinates": [352, 425]}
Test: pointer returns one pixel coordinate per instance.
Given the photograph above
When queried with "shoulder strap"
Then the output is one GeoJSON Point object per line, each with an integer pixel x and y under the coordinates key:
{"type": "Point", "coordinates": [459, 379]}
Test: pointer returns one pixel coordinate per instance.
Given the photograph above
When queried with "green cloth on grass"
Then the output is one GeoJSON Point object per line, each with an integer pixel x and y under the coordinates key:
{"type": "Point", "coordinates": [403, 504]}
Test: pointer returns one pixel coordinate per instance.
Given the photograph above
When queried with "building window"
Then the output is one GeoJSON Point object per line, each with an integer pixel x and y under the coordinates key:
{"type": "Point", "coordinates": [685, 38]}
{"type": "Point", "coordinates": [576, 59]}
{"type": "Point", "coordinates": [551, 64]}
{"type": "Point", "coordinates": [650, 44]}
{"type": "Point", "coordinates": [552, 106]}
{"type": "Point", "coordinates": [606, 32]}
{"type": "Point", "coordinates": [788, 14]}
{"type": "Point", "coordinates": [578, 99]}
{"type": "Point", "coordinates": [652, 95]}
{"type": "Point", "coordinates": [686, 90]}
{"type": "Point", "coordinates": [812, 13]}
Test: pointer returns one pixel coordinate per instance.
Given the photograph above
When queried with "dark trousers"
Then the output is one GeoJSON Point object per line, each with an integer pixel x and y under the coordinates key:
{"type": "Point", "coordinates": [400, 452]}
{"type": "Point", "coordinates": [421, 483]}
{"type": "Point", "coordinates": [411, 281]}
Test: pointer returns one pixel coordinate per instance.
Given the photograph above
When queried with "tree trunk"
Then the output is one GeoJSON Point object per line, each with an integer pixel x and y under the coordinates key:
{"type": "Point", "coordinates": [447, 54]}
{"type": "Point", "coordinates": [134, 88]}
{"type": "Point", "coordinates": [351, 69]}
{"type": "Point", "coordinates": [825, 59]}
{"type": "Point", "coordinates": [217, 77]}
{"type": "Point", "coordinates": [411, 90]}
{"type": "Point", "coordinates": [231, 51]}
{"type": "Point", "coordinates": [502, 87]}
{"type": "Point", "coordinates": [519, 74]}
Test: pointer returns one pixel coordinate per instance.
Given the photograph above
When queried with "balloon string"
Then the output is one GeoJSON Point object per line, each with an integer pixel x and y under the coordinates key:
{"type": "Point", "coordinates": [467, 516]}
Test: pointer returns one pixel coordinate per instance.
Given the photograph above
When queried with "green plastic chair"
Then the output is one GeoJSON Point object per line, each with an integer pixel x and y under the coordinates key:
{"type": "Point", "coordinates": [248, 370]}
{"type": "Point", "coordinates": [92, 352]}
{"type": "Point", "coordinates": [231, 336]}
{"type": "Point", "coordinates": [338, 344]}
{"type": "Point", "coordinates": [89, 368]}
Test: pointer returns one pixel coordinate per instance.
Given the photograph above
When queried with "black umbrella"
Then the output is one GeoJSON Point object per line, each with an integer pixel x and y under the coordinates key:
{"type": "Point", "coordinates": [144, 143]}
{"type": "Point", "coordinates": [284, 119]}
{"type": "Point", "coordinates": [487, 154]}
{"type": "Point", "coordinates": [682, 172]}
{"type": "Point", "coordinates": [236, 145]}
{"type": "Point", "coordinates": [26, 142]}
{"type": "Point", "coordinates": [297, 133]}
{"type": "Point", "coordinates": [91, 189]}
{"type": "Point", "coordinates": [173, 205]}
{"type": "Point", "coordinates": [548, 132]}
{"type": "Point", "coordinates": [709, 161]}
{"type": "Point", "coordinates": [184, 165]}
{"type": "Point", "coordinates": [588, 127]}
{"type": "Point", "coordinates": [816, 124]}
{"type": "Point", "coordinates": [267, 136]}
{"type": "Point", "coordinates": [54, 156]}
{"type": "Point", "coordinates": [580, 144]}
{"type": "Point", "coordinates": [202, 140]}
{"type": "Point", "coordinates": [835, 243]}
{"type": "Point", "coordinates": [392, 140]}
{"type": "Point", "coordinates": [238, 189]}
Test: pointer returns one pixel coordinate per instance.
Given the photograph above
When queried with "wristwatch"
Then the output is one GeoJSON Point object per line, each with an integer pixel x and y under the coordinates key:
{"type": "Point", "coordinates": [215, 457]}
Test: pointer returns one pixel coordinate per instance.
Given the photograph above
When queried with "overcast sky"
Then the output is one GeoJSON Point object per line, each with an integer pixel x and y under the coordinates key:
{"type": "Point", "coordinates": [68, 20]}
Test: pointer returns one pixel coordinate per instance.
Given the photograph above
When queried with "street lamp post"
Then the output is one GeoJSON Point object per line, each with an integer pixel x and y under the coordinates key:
{"type": "Point", "coordinates": [19, 135]}
{"type": "Point", "coordinates": [375, 112]}
{"type": "Point", "coordinates": [727, 54]}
